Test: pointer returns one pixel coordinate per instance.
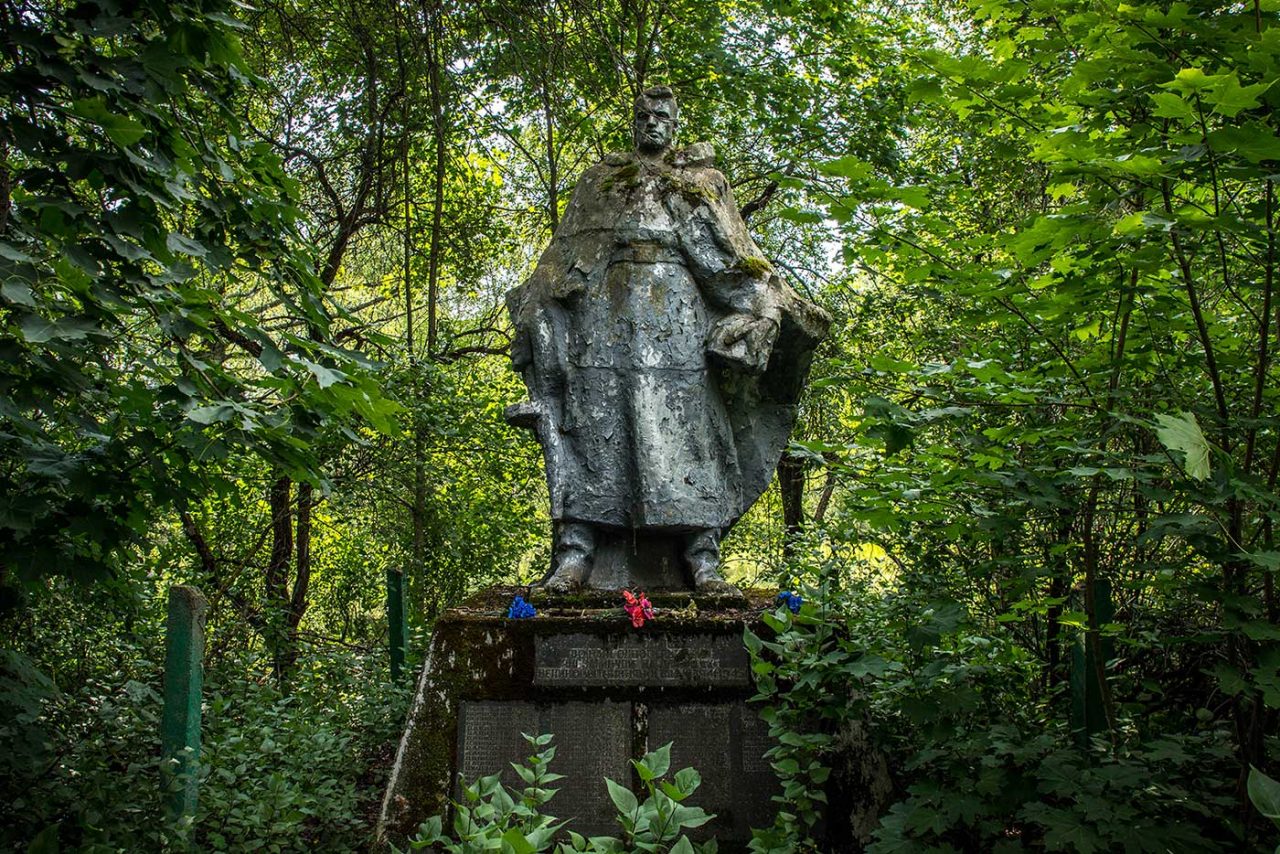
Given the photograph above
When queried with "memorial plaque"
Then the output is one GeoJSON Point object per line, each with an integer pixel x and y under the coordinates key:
{"type": "Point", "coordinates": [592, 740]}
{"type": "Point", "coordinates": [703, 738]}
{"type": "Point", "coordinates": [755, 742]}
{"type": "Point", "coordinates": [757, 784]}
{"type": "Point", "coordinates": [725, 742]}
{"type": "Point", "coordinates": [490, 739]}
{"type": "Point", "coordinates": [581, 659]}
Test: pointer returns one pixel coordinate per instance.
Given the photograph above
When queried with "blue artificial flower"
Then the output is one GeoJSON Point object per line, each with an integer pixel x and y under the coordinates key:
{"type": "Point", "coordinates": [791, 600]}
{"type": "Point", "coordinates": [520, 609]}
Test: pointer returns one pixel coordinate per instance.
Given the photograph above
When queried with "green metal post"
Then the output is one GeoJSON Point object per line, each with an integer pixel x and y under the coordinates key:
{"type": "Point", "coordinates": [180, 726]}
{"type": "Point", "coordinates": [397, 623]}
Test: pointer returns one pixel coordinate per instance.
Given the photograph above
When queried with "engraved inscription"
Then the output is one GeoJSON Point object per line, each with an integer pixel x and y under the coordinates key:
{"type": "Point", "coordinates": [755, 787]}
{"type": "Point", "coordinates": [755, 741]}
{"type": "Point", "coordinates": [489, 739]}
{"type": "Point", "coordinates": [590, 660]}
{"type": "Point", "coordinates": [702, 736]}
{"type": "Point", "coordinates": [592, 741]}
{"type": "Point", "coordinates": [726, 743]}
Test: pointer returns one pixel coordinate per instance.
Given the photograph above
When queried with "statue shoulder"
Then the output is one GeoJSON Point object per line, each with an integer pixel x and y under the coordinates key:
{"type": "Point", "coordinates": [600, 175]}
{"type": "Point", "coordinates": [700, 154]}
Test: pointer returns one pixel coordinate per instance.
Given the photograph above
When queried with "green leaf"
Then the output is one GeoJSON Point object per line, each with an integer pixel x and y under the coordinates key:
{"type": "Point", "coordinates": [45, 842]}
{"type": "Point", "coordinates": [1171, 106]}
{"type": "Point", "coordinates": [801, 217]}
{"type": "Point", "coordinates": [682, 846]}
{"type": "Point", "coordinates": [1264, 792]}
{"type": "Point", "coordinates": [691, 816]}
{"type": "Point", "coordinates": [1189, 80]}
{"type": "Point", "coordinates": [624, 799]}
{"type": "Point", "coordinates": [324, 376]}
{"type": "Point", "coordinates": [519, 844]}
{"type": "Point", "coordinates": [122, 130]}
{"type": "Point", "coordinates": [672, 791]}
{"type": "Point", "coordinates": [659, 761]}
{"type": "Point", "coordinates": [688, 780]}
{"type": "Point", "coordinates": [13, 253]}
{"type": "Point", "coordinates": [38, 329]}
{"type": "Point", "coordinates": [212, 414]}
{"type": "Point", "coordinates": [18, 294]}
{"type": "Point", "coordinates": [887, 364]}
{"type": "Point", "coordinates": [181, 243]}
{"type": "Point", "coordinates": [848, 166]}
{"type": "Point", "coordinates": [1229, 98]}
{"type": "Point", "coordinates": [1254, 141]}
{"type": "Point", "coordinates": [1260, 630]}
{"type": "Point", "coordinates": [1182, 433]}
{"type": "Point", "coordinates": [1269, 561]}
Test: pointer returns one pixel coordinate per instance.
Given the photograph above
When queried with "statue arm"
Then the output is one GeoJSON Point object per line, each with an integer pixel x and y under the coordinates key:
{"type": "Point", "coordinates": [733, 275]}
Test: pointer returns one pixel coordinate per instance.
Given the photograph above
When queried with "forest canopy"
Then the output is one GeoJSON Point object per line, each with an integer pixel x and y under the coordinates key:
{"type": "Point", "coordinates": [252, 268]}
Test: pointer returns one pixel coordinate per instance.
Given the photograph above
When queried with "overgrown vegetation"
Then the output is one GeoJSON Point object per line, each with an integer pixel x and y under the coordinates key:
{"type": "Point", "coordinates": [251, 273]}
{"type": "Point", "coordinates": [491, 817]}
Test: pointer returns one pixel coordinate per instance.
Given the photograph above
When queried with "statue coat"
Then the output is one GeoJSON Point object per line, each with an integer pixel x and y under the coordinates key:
{"type": "Point", "coordinates": [662, 354]}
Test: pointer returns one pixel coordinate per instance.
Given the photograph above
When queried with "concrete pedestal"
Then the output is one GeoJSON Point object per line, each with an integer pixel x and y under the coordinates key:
{"type": "Point", "coordinates": [607, 691]}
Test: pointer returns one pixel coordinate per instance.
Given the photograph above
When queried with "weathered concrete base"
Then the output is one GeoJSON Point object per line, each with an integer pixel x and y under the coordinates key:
{"type": "Point", "coordinates": [608, 692]}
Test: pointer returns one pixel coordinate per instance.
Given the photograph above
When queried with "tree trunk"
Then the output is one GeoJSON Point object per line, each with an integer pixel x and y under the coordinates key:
{"type": "Point", "coordinates": [302, 570]}
{"type": "Point", "coordinates": [277, 601]}
{"type": "Point", "coordinates": [791, 489]}
{"type": "Point", "coordinates": [436, 60]}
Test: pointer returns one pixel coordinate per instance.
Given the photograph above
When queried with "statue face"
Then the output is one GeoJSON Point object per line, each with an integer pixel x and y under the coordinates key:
{"type": "Point", "coordinates": [655, 125]}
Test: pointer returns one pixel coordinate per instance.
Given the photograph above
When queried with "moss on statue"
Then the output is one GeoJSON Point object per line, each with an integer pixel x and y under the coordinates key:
{"type": "Point", "coordinates": [754, 266]}
{"type": "Point", "coordinates": [694, 190]}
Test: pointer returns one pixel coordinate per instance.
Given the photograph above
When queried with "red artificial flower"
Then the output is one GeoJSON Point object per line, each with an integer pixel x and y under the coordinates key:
{"type": "Point", "coordinates": [638, 608]}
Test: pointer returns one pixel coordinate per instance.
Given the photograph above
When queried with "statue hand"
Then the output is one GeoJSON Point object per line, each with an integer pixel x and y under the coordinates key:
{"type": "Point", "coordinates": [743, 342]}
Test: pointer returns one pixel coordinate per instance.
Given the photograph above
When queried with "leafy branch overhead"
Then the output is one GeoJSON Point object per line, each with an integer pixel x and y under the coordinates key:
{"type": "Point", "coordinates": [143, 235]}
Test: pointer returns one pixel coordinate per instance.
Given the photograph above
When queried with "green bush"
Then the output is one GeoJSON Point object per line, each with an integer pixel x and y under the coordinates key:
{"type": "Point", "coordinates": [285, 772]}
{"type": "Point", "coordinates": [280, 772]}
{"type": "Point", "coordinates": [980, 765]}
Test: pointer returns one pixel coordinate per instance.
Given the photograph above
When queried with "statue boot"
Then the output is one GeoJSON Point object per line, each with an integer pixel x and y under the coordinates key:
{"type": "Point", "coordinates": [702, 554]}
{"type": "Point", "coordinates": [575, 548]}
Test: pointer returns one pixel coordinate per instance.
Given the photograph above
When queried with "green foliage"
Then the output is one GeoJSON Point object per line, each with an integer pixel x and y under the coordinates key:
{"type": "Point", "coordinates": [1056, 369]}
{"type": "Point", "coordinates": [979, 768]}
{"type": "Point", "coordinates": [97, 784]}
{"type": "Point", "coordinates": [493, 819]}
{"type": "Point", "coordinates": [279, 773]}
{"type": "Point", "coordinates": [657, 823]}
{"type": "Point", "coordinates": [807, 666]}
{"type": "Point", "coordinates": [141, 232]}
{"type": "Point", "coordinates": [284, 772]}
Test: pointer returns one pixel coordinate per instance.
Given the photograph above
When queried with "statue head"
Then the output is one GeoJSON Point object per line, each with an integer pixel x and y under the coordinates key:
{"type": "Point", "coordinates": [657, 116]}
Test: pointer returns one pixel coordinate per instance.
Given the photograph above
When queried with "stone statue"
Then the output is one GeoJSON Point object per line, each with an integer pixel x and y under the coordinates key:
{"type": "Point", "coordinates": [663, 358]}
